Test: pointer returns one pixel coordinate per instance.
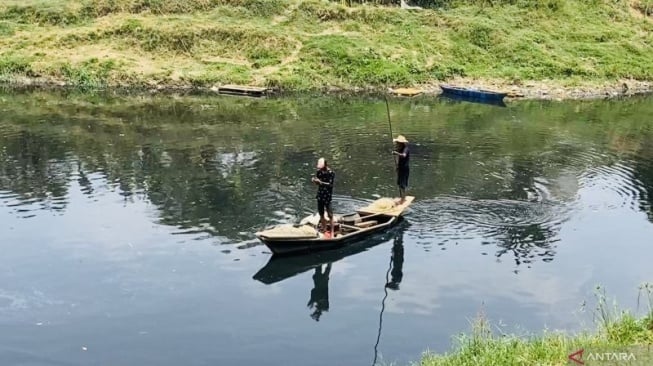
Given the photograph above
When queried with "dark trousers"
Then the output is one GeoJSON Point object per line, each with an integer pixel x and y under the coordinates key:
{"type": "Point", "coordinates": [323, 206]}
{"type": "Point", "coordinates": [402, 177]}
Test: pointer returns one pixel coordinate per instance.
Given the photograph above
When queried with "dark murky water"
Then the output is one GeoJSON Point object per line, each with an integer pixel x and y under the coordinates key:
{"type": "Point", "coordinates": [127, 225]}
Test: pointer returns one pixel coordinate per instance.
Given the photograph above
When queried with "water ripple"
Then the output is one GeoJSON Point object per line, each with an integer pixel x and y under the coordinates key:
{"type": "Point", "coordinates": [523, 228]}
{"type": "Point", "coordinates": [616, 182]}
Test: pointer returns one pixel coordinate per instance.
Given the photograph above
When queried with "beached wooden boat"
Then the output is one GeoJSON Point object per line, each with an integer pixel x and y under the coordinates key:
{"type": "Point", "coordinates": [379, 216]}
{"type": "Point", "coordinates": [473, 93]}
{"type": "Point", "coordinates": [447, 98]}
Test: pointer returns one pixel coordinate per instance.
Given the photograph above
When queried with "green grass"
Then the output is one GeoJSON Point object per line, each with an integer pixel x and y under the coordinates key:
{"type": "Point", "coordinates": [12, 65]}
{"type": "Point", "coordinates": [313, 44]}
{"type": "Point", "coordinates": [91, 73]}
{"type": "Point", "coordinates": [618, 331]}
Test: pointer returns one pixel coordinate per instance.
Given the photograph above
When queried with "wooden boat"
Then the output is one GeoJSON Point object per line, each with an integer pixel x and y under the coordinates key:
{"type": "Point", "coordinates": [280, 268]}
{"type": "Point", "coordinates": [304, 237]}
{"type": "Point", "coordinates": [473, 93]}
{"type": "Point", "coordinates": [458, 99]}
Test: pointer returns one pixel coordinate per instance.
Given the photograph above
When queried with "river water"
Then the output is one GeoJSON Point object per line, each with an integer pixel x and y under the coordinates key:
{"type": "Point", "coordinates": [127, 225]}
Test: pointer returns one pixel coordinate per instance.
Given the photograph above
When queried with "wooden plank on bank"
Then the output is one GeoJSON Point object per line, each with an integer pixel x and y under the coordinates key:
{"type": "Point", "coordinates": [407, 92]}
{"type": "Point", "coordinates": [253, 91]}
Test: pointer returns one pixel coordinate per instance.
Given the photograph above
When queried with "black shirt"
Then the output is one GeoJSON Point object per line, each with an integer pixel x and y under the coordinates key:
{"type": "Point", "coordinates": [402, 162]}
{"type": "Point", "coordinates": [324, 192]}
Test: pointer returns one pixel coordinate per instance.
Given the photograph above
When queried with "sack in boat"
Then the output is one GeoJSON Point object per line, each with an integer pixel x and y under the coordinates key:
{"type": "Point", "coordinates": [382, 204]}
{"type": "Point", "coordinates": [290, 231]}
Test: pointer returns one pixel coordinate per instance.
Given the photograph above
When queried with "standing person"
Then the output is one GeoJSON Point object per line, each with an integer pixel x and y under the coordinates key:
{"type": "Point", "coordinates": [403, 169]}
{"type": "Point", "coordinates": [324, 179]}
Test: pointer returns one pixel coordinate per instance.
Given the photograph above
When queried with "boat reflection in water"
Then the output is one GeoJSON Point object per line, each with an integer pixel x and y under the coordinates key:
{"type": "Point", "coordinates": [281, 268]}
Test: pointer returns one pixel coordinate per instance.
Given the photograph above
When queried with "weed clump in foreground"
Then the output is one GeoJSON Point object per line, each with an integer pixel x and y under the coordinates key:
{"type": "Point", "coordinates": [619, 332]}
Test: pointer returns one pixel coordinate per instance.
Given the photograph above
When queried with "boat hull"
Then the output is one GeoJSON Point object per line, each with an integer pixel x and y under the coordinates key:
{"type": "Point", "coordinates": [376, 217]}
{"type": "Point", "coordinates": [477, 94]}
{"type": "Point", "coordinates": [458, 99]}
{"type": "Point", "coordinates": [280, 268]}
{"type": "Point", "coordinates": [280, 247]}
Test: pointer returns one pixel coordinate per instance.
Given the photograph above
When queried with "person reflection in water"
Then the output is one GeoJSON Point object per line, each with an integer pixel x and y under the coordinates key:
{"type": "Point", "coordinates": [320, 292]}
{"type": "Point", "coordinates": [397, 262]}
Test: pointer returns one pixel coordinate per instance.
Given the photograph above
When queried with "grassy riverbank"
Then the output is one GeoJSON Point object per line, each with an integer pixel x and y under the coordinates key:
{"type": "Point", "coordinates": [619, 334]}
{"type": "Point", "coordinates": [576, 46]}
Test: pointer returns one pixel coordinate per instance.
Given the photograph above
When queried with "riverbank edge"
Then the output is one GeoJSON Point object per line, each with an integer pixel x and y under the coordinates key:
{"type": "Point", "coordinates": [616, 332]}
{"type": "Point", "coordinates": [529, 90]}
